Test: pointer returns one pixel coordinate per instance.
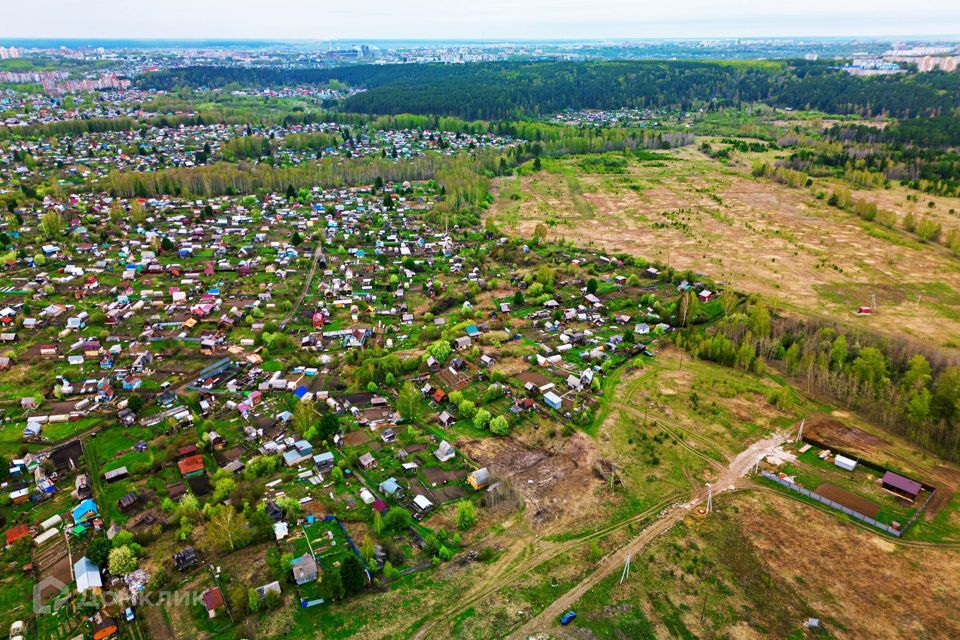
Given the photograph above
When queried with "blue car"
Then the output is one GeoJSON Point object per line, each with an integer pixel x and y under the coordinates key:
{"type": "Point", "coordinates": [568, 617]}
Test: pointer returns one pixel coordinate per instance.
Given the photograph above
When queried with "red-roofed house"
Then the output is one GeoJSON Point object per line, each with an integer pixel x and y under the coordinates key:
{"type": "Point", "coordinates": [191, 467]}
{"type": "Point", "coordinates": [213, 600]}
{"type": "Point", "coordinates": [17, 532]}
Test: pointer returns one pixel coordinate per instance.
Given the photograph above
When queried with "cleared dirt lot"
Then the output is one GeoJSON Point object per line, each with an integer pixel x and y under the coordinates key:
{"type": "Point", "coordinates": [765, 238]}
{"type": "Point", "coordinates": [848, 499]}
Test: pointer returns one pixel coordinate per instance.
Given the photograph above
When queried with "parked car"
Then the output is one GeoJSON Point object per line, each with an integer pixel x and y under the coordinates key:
{"type": "Point", "coordinates": [568, 617]}
{"type": "Point", "coordinates": [128, 614]}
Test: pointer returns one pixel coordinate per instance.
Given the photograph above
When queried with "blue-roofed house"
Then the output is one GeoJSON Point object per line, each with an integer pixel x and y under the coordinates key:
{"type": "Point", "coordinates": [86, 510]}
{"type": "Point", "coordinates": [301, 452]}
{"type": "Point", "coordinates": [391, 488]}
{"type": "Point", "coordinates": [324, 461]}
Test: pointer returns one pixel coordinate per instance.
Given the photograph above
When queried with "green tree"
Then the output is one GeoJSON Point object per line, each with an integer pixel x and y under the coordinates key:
{"type": "Point", "coordinates": [332, 585]}
{"type": "Point", "coordinates": [122, 561]}
{"type": "Point", "coordinates": [466, 515]}
{"type": "Point", "coordinates": [222, 488]}
{"type": "Point", "coordinates": [946, 395]}
{"type": "Point", "coordinates": [408, 402]}
{"type": "Point", "coordinates": [352, 574]}
{"type": "Point", "coordinates": [99, 551]}
{"type": "Point", "coordinates": [918, 373]}
{"type": "Point", "coordinates": [870, 367]}
{"type": "Point", "coordinates": [481, 419]}
{"type": "Point", "coordinates": [304, 417]}
{"type": "Point", "coordinates": [918, 405]}
{"type": "Point", "coordinates": [328, 427]}
{"type": "Point", "coordinates": [759, 320]}
{"type": "Point", "coordinates": [397, 519]}
{"type": "Point", "coordinates": [253, 600]}
{"type": "Point", "coordinates": [440, 350]}
{"type": "Point", "coordinates": [745, 354]}
{"type": "Point", "coordinates": [227, 530]}
{"type": "Point", "coordinates": [51, 224]}
{"type": "Point", "coordinates": [500, 426]}
{"type": "Point", "coordinates": [838, 353]}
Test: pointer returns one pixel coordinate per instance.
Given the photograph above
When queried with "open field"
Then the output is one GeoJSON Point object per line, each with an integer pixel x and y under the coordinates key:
{"type": "Point", "coordinates": [763, 564]}
{"type": "Point", "coordinates": [693, 212]}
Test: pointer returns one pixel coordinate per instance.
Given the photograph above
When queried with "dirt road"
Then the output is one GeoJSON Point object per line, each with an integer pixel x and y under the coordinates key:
{"type": "Point", "coordinates": [728, 480]}
{"type": "Point", "coordinates": [306, 287]}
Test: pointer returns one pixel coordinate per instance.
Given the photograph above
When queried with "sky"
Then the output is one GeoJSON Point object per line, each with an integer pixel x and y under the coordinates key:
{"type": "Point", "coordinates": [474, 20]}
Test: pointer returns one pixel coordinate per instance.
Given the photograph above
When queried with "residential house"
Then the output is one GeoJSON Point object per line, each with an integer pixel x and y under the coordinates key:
{"type": "Point", "coordinates": [445, 451]}
{"type": "Point", "coordinates": [87, 575]}
{"type": "Point", "coordinates": [213, 601]}
{"type": "Point", "coordinates": [479, 479]}
{"type": "Point", "coordinates": [367, 461]}
{"type": "Point", "coordinates": [304, 569]}
{"type": "Point", "coordinates": [186, 559]}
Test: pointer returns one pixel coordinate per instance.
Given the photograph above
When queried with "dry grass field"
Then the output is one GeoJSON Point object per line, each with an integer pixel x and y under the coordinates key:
{"type": "Point", "coordinates": [784, 244]}
{"type": "Point", "coordinates": [763, 564]}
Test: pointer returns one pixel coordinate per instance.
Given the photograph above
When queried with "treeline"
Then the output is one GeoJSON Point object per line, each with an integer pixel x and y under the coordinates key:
{"type": "Point", "coordinates": [899, 96]}
{"type": "Point", "coordinates": [905, 387]}
{"type": "Point", "coordinates": [512, 90]}
{"type": "Point", "coordinates": [246, 148]}
{"type": "Point", "coordinates": [81, 126]}
{"type": "Point", "coordinates": [71, 127]}
{"type": "Point", "coordinates": [224, 178]}
{"type": "Point", "coordinates": [504, 90]}
{"type": "Point", "coordinates": [509, 90]}
{"type": "Point", "coordinates": [921, 152]}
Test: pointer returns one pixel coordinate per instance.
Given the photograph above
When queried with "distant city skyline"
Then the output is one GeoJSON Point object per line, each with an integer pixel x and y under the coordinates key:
{"type": "Point", "coordinates": [478, 21]}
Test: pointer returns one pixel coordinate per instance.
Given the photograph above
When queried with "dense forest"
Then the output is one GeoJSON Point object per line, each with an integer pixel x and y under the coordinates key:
{"type": "Point", "coordinates": [898, 96]}
{"type": "Point", "coordinates": [504, 90]}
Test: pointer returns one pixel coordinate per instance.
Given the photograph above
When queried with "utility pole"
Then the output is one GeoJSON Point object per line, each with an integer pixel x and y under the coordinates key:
{"type": "Point", "coordinates": [703, 608]}
{"type": "Point", "coordinates": [709, 498]}
{"type": "Point", "coordinates": [800, 432]}
{"type": "Point", "coordinates": [626, 569]}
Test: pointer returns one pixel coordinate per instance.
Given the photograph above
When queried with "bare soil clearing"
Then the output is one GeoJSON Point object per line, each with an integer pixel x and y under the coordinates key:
{"type": "Point", "coordinates": [558, 487]}
{"type": "Point", "coordinates": [848, 499]}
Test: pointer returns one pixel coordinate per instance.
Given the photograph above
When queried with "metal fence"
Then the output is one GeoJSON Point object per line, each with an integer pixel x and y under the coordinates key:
{"type": "Point", "coordinates": [832, 504]}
